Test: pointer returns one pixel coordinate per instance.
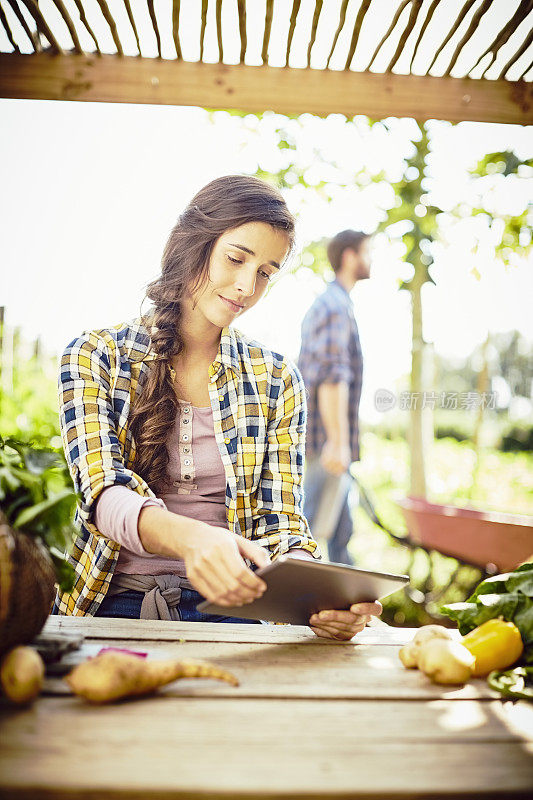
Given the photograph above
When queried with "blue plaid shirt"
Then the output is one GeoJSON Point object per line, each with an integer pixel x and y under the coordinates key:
{"type": "Point", "coordinates": [331, 353]}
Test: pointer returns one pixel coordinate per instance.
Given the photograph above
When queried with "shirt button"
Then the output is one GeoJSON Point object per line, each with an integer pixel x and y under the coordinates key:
{"type": "Point", "coordinates": [185, 421]}
{"type": "Point", "coordinates": [186, 449]}
{"type": "Point", "coordinates": [187, 477]}
{"type": "Point", "coordinates": [187, 462]}
{"type": "Point", "coordinates": [186, 410]}
{"type": "Point", "coordinates": [185, 437]}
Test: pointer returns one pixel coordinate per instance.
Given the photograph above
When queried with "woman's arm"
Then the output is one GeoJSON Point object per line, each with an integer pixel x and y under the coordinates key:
{"type": "Point", "coordinates": [93, 451]}
{"type": "Point", "coordinates": [117, 516]}
{"type": "Point", "coordinates": [213, 556]}
{"type": "Point", "coordinates": [121, 516]}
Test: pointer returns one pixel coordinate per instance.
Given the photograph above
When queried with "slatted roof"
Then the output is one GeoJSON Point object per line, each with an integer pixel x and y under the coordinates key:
{"type": "Point", "coordinates": [448, 59]}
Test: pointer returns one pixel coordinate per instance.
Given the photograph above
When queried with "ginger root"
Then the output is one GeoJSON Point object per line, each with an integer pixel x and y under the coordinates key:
{"type": "Point", "coordinates": [112, 676]}
{"type": "Point", "coordinates": [22, 674]}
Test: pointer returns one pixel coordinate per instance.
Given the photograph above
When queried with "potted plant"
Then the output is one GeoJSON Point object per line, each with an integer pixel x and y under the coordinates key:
{"type": "Point", "coordinates": [36, 511]}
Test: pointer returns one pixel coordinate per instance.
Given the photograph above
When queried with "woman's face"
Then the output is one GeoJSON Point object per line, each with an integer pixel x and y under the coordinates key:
{"type": "Point", "coordinates": [242, 263]}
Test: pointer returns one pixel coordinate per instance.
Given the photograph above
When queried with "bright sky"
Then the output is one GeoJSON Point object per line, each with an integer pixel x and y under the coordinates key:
{"type": "Point", "coordinates": [90, 192]}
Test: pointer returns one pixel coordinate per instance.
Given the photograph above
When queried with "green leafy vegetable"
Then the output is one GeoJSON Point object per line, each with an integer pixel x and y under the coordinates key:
{"type": "Point", "coordinates": [510, 596]}
{"type": "Point", "coordinates": [36, 497]}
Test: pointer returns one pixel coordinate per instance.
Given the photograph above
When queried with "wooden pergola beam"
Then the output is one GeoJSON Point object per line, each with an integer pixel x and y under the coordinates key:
{"type": "Point", "coordinates": [141, 80]}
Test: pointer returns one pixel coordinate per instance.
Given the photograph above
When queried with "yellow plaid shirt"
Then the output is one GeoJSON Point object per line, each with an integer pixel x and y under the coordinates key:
{"type": "Point", "coordinates": [258, 402]}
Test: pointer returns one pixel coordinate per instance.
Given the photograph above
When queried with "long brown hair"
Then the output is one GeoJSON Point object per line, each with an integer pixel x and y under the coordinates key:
{"type": "Point", "coordinates": [223, 204]}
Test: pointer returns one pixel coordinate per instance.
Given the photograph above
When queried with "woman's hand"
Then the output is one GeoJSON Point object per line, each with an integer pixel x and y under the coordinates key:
{"type": "Point", "coordinates": [344, 625]}
{"type": "Point", "coordinates": [214, 557]}
{"type": "Point", "coordinates": [215, 566]}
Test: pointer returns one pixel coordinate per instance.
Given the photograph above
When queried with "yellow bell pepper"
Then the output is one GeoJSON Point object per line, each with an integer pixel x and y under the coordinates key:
{"type": "Point", "coordinates": [496, 645]}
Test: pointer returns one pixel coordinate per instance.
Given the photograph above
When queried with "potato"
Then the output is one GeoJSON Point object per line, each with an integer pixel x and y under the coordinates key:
{"type": "Point", "coordinates": [409, 654]}
{"type": "Point", "coordinates": [445, 661]}
{"type": "Point", "coordinates": [22, 674]}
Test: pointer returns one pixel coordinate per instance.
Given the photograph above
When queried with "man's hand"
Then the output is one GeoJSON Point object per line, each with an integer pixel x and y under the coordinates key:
{"type": "Point", "coordinates": [344, 625]}
{"type": "Point", "coordinates": [333, 406]}
{"type": "Point", "coordinates": [335, 457]}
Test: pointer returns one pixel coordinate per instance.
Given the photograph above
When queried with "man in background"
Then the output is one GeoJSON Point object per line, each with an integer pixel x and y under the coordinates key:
{"type": "Point", "coordinates": [332, 367]}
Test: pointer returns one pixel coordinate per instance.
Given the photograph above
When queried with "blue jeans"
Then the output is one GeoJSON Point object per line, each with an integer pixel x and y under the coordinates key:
{"type": "Point", "coordinates": [127, 605]}
{"type": "Point", "coordinates": [327, 509]}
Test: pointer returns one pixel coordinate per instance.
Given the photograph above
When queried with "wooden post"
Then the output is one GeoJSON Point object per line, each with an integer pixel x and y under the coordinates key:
{"type": "Point", "coordinates": [129, 79]}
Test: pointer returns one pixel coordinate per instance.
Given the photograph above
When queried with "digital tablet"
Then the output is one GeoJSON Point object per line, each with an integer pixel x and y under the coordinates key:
{"type": "Point", "coordinates": [298, 588]}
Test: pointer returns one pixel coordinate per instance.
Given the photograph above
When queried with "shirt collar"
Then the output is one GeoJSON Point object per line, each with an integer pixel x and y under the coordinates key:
{"type": "Point", "coordinates": [138, 342]}
{"type": "Point", "coordinates": [335, 283]}
{"type": "Point", "coordinates": [228, 353]}
{"type": "Point", "coordinates": [140, 349]}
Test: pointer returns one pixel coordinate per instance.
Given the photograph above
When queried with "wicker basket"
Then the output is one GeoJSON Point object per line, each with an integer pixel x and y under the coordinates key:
{"type": "Point", "coordinates": [27, 579]}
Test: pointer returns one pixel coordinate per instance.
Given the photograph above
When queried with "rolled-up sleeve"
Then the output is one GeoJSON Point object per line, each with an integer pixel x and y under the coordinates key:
{"type": "Point", "coordinates": [117, 516]}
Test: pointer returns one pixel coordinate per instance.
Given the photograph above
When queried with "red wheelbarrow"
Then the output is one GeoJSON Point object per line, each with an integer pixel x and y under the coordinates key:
{"type": "Point", "coordinates": [492, 541]}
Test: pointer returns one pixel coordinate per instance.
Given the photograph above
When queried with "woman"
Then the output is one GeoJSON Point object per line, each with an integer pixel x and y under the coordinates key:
{"type": "Point", "coordinates": [183, 437]}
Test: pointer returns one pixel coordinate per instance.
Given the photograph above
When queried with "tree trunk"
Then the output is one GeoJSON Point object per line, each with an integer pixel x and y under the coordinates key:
{"type": "Point", "coordinates": [416, 437]}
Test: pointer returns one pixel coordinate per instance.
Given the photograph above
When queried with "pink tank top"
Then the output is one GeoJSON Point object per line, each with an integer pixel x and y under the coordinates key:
{"type": "Point", "coordinates": [196, 489]}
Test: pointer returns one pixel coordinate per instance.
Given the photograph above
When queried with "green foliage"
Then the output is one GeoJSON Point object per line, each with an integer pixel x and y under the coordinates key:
{"type": "Point", "coordinates": [499, 432]}
{"type": "Point", "coordinates": [518, 437]}
{"type": "Point", "coordinates": [314, 258]}
{"type": "Point", "coordinates": [504, 163]}
{"type": "Point", "coordinates": [36, 498]}
{"type": "Point", "coordinates": [513, 360]}
{"type": "Point", "coordinates": [458, 425]}
{"type": "Point", "coordinates": [512, 231]}
{"type": "Point", "coordinates": [30, 410]}
{"type": "Point", "coordinates": [303, 165]}
{"type": "Point", "coordinates": [412, 217]}
{"type": "Point", "coordinates": [503, 483]}
{"type": "Point", "coordinates": [508, 596]}
{"type": "Point", "coordinates": [510, 356]}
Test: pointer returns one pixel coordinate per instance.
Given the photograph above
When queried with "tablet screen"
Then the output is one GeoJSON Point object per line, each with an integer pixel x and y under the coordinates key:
{"type": "Point", "coordinates": [298, 588]}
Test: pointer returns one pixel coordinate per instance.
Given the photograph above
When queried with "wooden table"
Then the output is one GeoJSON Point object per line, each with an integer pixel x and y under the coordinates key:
{"type": "Point", "coordinates": [310, 719]}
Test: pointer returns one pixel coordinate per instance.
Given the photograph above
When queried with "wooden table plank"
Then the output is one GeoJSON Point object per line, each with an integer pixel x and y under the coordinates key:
{"type": "Point", "coordinates": [161, 630]}
{"type": "Point", "coordinates": [263, 748]}
{"type": "Point", "coordinates": [310, 720]}
{"type": "Point", "coordinates": [291, 670]}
